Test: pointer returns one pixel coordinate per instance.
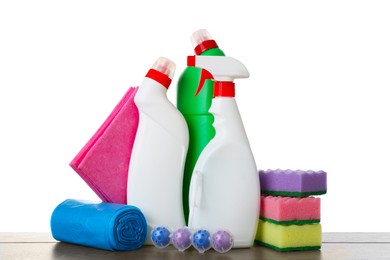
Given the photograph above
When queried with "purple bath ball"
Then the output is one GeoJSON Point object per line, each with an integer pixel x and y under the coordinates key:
{"type": "Point", "coordinates": [160, 237]}
{"type": "Point", "coordinates": [201, 240]}
{"type": "Point", "coordinates": [222, 241]}
{"type": "Point", "coordinates": [181, 239]}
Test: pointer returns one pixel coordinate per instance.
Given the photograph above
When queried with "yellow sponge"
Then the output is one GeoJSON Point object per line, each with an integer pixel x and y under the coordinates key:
{"type": "Point", "coordinates": [290, 237]}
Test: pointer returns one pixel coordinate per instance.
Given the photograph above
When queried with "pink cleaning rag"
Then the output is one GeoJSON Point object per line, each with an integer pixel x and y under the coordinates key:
{"type": "Point", "coordinates": [103, 162]}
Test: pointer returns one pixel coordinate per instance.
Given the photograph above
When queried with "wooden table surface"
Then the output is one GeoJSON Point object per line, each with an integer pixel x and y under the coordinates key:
{"type": "Point", "coordinates": [335, 246]}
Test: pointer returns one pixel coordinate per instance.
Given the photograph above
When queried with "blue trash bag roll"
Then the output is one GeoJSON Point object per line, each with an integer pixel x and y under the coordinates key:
{"type": "Point", "coordinates": [108, 226]}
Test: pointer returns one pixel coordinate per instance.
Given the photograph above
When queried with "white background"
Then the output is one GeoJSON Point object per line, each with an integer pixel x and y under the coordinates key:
{"type": "Point", "coordinates": [318, 95]}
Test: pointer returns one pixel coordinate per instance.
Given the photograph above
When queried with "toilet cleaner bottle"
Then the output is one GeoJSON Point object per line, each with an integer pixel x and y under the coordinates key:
{"type": "Point", "coordinates": [225, 187]}
{"type": "Point", "coordinates": [157, 161]}
{"type": "Point", "coordinates": [194, 95]}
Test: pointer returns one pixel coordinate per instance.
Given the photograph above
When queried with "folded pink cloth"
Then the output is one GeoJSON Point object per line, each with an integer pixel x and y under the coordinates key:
{"type": "Point", "coordinates": [103, 162]}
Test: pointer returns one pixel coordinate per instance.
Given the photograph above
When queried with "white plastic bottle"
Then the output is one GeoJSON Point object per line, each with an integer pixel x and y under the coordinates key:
{"type": "Point", "coordinates": [156, 168]}
{"type": "Point", "coordinates": [225, 187]}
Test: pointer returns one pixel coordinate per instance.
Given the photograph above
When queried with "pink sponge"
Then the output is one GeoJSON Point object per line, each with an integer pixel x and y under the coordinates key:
{"type": "Point", "coordinates": [103, 162]}
{"type": "Point", "coordinates": [290, 210]}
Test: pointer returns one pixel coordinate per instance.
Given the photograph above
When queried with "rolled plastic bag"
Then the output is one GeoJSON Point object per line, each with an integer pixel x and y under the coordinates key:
{"type": "Point", "coordinates": [108, 226]}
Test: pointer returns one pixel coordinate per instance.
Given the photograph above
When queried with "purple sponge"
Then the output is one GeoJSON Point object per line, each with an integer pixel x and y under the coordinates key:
{"type": "Point", "coordinates": [292, 183]}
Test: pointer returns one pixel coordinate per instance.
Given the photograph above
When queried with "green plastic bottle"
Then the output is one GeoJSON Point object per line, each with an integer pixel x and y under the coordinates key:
{"type": "Point", "coordinates": [194, 95]}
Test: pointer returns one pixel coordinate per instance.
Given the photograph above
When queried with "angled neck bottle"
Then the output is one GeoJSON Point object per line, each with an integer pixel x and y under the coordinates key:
{"type": "Point", "coordinates": [157, 161]}
{"type": "Point", "coordinates": [194, 95]}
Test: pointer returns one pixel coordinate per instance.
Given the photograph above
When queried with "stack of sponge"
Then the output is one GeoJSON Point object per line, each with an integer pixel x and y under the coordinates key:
{"type": "Point", "coordinates": [289, 212]}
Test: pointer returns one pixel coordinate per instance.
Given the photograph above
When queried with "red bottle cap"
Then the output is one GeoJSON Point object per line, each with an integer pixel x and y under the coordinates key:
{"type": "Point", "coordinates": [160, 77]}
{"type": "Point", "coordinates": [203, 41]}
{"type": "Point", "coordinates": [204, 46]}
{"type": "Point", "coordinates": [162, 71]}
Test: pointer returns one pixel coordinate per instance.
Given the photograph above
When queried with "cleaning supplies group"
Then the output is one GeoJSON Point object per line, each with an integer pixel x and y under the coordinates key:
{"type": "Point", "coordinates": [187, 165]}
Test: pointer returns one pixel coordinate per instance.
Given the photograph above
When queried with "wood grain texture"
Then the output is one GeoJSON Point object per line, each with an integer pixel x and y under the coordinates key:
{"type": "Point", "coordinates": [335, 246]}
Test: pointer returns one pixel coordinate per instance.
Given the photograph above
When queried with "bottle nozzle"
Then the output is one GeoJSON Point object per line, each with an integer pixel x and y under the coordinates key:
{"type": "Point", "coordinates": [165, 66]}
{"type": "Point", "coordinates": [202, 41]}
{"type": "Point", "coordinates": [162, 71]}
{"type": "Point", "coordinates": [200, 36]}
